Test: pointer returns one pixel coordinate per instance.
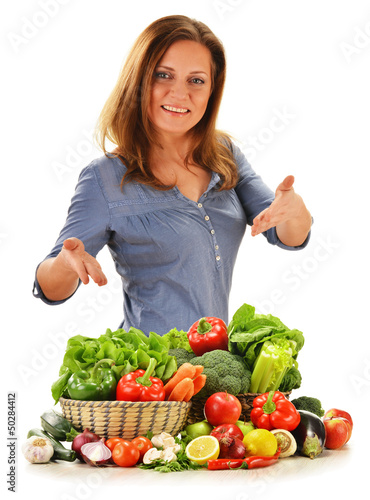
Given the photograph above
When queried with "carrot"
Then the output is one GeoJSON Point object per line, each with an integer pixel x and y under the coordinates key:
{"type": "Point", "coordinates": [199, 383]}
{"type": "Point", "coordinates": [185, 371]}
{"type": "Point", "coordinates": [181, 389]}
{"type": "Point", "coordinates": [189, 394]}
{"type": "Point", "coordinates": [198, 370]}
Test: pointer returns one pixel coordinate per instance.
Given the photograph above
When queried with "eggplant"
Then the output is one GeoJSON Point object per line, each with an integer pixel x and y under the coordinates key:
{"type": "Point", "coordinates": [310, 434]}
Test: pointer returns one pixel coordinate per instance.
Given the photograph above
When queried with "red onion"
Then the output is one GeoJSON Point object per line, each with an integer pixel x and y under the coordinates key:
{"type": "Point", "coordinates": [96, 453]}
{"type": "Point", "coordinates": [231, 448]}
{"type": "Point", "coordinates": [85, 437]}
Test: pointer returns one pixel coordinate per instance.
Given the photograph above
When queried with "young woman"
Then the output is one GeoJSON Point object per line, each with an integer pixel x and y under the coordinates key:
{"type": "Point", "coordinates": [173, 199]}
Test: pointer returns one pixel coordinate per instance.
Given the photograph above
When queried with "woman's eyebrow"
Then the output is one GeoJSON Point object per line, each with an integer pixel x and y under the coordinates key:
{"type": "Point", "coordinates": [191, 73]}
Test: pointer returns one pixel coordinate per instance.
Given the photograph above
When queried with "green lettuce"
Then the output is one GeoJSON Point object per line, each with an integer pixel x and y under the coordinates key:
{"type": "Point", "coordinates": [177, 339]}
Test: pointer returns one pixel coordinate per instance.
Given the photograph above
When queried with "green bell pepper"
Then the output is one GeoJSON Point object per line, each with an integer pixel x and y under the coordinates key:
{"type": "Point", "coordinates": [99, 384]}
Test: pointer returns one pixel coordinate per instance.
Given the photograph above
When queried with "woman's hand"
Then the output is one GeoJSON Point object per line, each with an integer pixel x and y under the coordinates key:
{"type": "Point", "coordinates": [287, 213]}
{"type": "Point", "coordinates": [82, 263]}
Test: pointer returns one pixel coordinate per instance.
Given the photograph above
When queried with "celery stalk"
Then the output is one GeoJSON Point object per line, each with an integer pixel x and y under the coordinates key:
{"type": "Point", "coordinates": [268, 374]}
{"type": "Point", "coordinates": [274, 359]}
{"type": "Point", "coordinates": [274, 386]}
{"type": "Point", "coordinates": [262, 368]}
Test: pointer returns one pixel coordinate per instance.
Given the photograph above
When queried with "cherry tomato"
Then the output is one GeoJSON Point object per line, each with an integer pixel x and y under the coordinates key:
{"type": "Point", "coordinates": [111, 442]}
{"type": "Point", "coordinates": [125, 454]}
{"type": "Point", "coordinates": [143, 444]}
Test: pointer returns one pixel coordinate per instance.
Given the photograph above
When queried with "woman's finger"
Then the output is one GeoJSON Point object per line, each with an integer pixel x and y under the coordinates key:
{"type": "Point", "coordinates": [287, 184]}
{"type": "Point", "coordinates": [96, 273]}
{"type": "Point", "coordinates": [78, 266]}
{"type": "Point", "coordinates": [72, 244]}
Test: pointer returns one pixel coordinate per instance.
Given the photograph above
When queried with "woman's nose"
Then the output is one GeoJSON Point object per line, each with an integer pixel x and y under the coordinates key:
{"type": "Point", "coordinates": [179, 90]}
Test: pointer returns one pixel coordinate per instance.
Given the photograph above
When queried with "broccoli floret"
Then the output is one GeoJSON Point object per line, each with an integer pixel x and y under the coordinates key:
{"type": "Point", "coordinates": [291, 380]}
{"type": "Point", "coordinates": [309, 404]}
{"type": "Point", "coordinates": [225, 372]}
{"type": "Point", "coordinates": [182, 355]}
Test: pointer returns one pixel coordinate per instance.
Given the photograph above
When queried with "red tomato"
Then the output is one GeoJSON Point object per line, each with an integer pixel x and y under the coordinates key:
{"type": "Point", "coordinates": [222, 408]}
{"type": "Point", "coordinates": [125, 454]}
{"type": "Point", "coordinates": [111, 442]}
{"type": "Point", "coordinates": [143, 444]}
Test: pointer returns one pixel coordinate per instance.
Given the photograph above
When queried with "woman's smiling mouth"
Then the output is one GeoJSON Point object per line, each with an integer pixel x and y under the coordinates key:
{"type": "Point", "coordinates": [176, 110]}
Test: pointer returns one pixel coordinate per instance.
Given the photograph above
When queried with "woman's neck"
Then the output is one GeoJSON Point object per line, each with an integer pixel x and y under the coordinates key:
{"type": "Point", "coordinates": [172, 150]}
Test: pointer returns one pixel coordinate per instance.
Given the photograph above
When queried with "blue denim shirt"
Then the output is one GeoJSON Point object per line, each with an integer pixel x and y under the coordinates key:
{"type": "Point", "coordinates": [175, 256]}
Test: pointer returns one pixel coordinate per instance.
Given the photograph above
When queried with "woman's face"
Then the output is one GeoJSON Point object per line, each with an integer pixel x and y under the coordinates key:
{"type": "Point", "coordinates": [181, 88]}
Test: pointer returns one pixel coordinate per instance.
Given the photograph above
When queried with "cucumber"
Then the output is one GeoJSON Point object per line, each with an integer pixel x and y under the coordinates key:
{"type": "Point", "coordinates": [60, 452]}
{"type": "Point", "coordinates": [59, 427]}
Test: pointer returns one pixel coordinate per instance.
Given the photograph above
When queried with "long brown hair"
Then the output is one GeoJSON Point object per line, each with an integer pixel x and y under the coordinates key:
{"type": "Point", "coordinates": [124, 119]}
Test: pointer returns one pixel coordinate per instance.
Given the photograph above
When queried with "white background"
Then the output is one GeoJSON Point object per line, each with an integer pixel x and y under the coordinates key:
{"type": "Point", "coordinates": [306, 61]}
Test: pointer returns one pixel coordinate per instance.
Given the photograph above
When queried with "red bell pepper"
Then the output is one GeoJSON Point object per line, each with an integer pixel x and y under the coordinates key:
{"type": "Point", "coordinates": [208, 334]}
{"type": "Point", "coordinates": [140, 386]}
{"type": "Point", "coordinates": [272, 410]}
{"type": "Point", "coordinates": [242, 463]}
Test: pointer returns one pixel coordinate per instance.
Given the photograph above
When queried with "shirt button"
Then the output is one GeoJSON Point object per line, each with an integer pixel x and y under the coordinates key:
{"type": "Point", "coordinates": [206, 217]}
{"type": "Point", "coordinates": [200, 205]}
{"type": "Point", "coordinates": [216, 247]}
{"type": "Point", "coordinates": [218, 257]}
{"type": "Point", "coordinates": [212, 231]}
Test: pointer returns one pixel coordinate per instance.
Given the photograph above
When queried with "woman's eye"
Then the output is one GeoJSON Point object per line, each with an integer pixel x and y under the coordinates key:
{"type": "Point", "coordinates": [197, 81]}
{"type": "Point", "coordinates": [161, 75]}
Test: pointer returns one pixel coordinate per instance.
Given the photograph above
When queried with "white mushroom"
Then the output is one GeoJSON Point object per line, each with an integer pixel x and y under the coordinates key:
{"type": "Point", "coordinates": [168, 455]}
{"type": "Point", "coordinates": [158, 440]}
{"type": "Point", "coordinates": [151, 455]}
{"type": "Point", "coordinates": [169, 442]}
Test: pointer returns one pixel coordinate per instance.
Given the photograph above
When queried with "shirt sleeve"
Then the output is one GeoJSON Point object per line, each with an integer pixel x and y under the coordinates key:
{"type": "Point", "coordinates": [255, 196]}
{"type": "Point", "coordinates": [88, 219]}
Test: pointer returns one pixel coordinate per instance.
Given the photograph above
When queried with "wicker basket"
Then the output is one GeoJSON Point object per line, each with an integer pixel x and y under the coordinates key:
{"type": "Point", "coordinates": [196, 412]}
{"type": "Point", "coordinates": [125, 419]}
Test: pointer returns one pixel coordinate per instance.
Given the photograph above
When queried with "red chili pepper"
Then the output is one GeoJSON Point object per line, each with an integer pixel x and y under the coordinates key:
{"type": "Point", "coordinates": [272, 410]}
{"type": "Point", "coordinates": [140, 386]}
{"type": "Point", "coordinates": [208, 334]}
{"type": "Point", "coordinates": [242, 463]}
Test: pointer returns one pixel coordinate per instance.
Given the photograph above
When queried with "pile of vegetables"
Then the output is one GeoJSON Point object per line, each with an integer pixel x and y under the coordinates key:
{"type": "Point", "coordinates": [255, 353]}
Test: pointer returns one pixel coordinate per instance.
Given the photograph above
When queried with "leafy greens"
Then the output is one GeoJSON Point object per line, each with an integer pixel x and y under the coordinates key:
{"type": "Point", "coordinates": [268, 347]}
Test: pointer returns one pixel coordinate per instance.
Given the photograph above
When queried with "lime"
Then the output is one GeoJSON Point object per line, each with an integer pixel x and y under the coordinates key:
{"type": "Point", "coordinates": [260, 442]}
{"type": "Point", "coordinates": [203, 448]}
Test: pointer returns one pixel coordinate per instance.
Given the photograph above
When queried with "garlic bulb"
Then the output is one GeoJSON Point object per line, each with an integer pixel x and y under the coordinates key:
{"type": "Point", "coordinates": [38, 450]}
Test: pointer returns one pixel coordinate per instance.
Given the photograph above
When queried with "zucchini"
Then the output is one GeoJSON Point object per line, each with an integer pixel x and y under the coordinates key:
{"type": "Point", "coordinates": [59, 427]}
{"type": "Point", "coordinates": [60, 452]}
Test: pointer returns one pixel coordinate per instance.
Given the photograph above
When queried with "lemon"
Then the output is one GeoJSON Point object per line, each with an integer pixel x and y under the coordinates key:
{"type": "Point", "coordinates": [203, 448]}
{"type": "Point", "coordinates": [260, 442]}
